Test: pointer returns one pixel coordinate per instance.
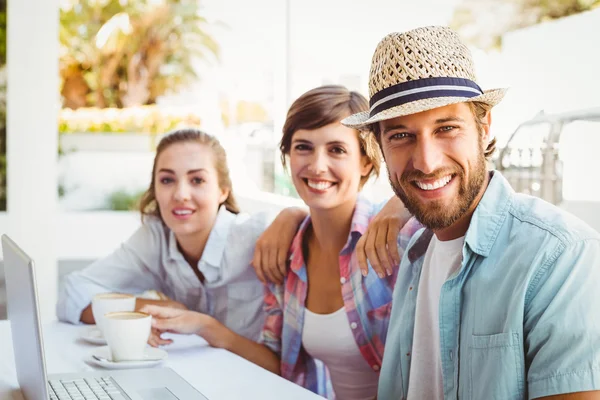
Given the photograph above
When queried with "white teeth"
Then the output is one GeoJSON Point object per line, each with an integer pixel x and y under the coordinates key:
{"type": "Point", "coordinates": [319, 185]}
{"type": "Point", "coordinates": [435, 185]}
{"type": "Point", "coordinates": [183, 212]}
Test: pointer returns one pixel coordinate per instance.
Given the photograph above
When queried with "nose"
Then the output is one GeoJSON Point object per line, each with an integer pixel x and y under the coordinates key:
{"type": "Point", "coordinates": [427, 155]}
{"type": "Point", "coordinates": [318, 163]}
{"type": "Point", "coordinates": [182, 191]}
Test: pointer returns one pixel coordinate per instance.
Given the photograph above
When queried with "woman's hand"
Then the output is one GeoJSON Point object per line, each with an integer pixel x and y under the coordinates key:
{"type": "Point", "coordinates": [272, 247]}
{"type": "Point", "coordinates": [174, 320]}
{"type": "Point", "coordinates": [379, 243]}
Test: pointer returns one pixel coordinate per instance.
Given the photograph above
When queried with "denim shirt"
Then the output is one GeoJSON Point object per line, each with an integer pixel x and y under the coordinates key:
{"type": "Point", "coordinates": [520, 318]}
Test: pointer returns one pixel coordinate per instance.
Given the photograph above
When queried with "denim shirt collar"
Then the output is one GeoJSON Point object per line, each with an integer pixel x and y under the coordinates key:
{"type": "Point", "coordinates": [485, 224]}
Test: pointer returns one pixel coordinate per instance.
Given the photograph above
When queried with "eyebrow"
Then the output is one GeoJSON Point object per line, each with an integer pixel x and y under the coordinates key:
{"type": "Point", "coordinates": [191, 171]}
{"type": "Point", "coordinates": [449, 119]}
{"type": "Point", "coordinates": [334, 142]}
{"type": "Point", "coordinates": [437, 122]}
{"type": "Point", "coordinates": [393, 128]}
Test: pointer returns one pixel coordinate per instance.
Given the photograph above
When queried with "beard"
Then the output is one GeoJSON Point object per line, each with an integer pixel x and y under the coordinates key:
{"type": "Point", "coordinates": [434, 214]}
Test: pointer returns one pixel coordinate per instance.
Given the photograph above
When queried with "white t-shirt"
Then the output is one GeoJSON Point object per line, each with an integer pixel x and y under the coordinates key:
{"type": "Point", "coordinates": [329, 338]}
{"type": "Point", "coordinates": [442, 259]}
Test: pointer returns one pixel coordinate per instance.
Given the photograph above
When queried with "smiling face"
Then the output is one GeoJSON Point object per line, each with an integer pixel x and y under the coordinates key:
{"type": "Point", "coordinates": [187, 188]}
{"type": "Point", "coordinates": [436, 162]}
{"type": "Point", "coordinates": [326, 165]}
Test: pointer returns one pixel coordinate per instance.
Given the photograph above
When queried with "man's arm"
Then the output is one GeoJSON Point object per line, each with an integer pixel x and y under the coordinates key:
{"type": "Point", "coordinates": [562, 325]}
{"type": "Point", "coordinates": [379, 244]}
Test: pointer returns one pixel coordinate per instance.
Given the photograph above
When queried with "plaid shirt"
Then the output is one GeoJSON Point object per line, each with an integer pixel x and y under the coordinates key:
{"type": "Point", "coordinates": [367, 301]}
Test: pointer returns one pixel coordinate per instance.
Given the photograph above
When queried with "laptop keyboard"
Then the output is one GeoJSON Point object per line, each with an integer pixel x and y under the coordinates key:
{"type": "Point", "coordinates": [85, 389]}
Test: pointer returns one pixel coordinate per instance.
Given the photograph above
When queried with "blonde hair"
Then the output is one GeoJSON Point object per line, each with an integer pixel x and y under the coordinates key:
{"type": "Point", "coordinates": [148, 204]}
{"type": "Point", "coordinates": [323, 106]}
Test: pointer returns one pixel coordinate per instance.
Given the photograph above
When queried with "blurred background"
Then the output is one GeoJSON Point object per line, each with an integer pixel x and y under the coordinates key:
{"type": "Point", "coordinates": [87, 89]}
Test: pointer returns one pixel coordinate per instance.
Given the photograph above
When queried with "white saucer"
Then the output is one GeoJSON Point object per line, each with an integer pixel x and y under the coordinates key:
{"type": "Point", "coordinates": [155, 356]}
{"type": "Point", "coordinates": [92, 334]}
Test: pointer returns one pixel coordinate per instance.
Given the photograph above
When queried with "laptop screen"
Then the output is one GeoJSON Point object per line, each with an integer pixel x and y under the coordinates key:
{"type": "Point", "coordinates": [23, 314]}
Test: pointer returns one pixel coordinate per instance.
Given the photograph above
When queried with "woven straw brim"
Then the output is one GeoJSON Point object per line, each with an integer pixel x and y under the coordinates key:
{"type": "Point", "coordinates": [362, 121]}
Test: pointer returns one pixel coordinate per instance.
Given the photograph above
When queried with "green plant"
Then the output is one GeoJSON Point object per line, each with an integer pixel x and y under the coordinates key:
{"type": "Point", "coordinates": [120, 53]}
{"type": "Point", "coordinates": [142, 119]}
{"type": "Point", "coordinates": [124, 200]}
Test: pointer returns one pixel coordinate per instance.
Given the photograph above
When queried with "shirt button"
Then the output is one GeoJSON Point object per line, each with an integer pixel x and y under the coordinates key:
{"type": "Point", "coordinates": [353, 325]}
{"type": "Point", "coordinates": [343, 280]}
{"type": "Point", "coordinates": [376, 367]}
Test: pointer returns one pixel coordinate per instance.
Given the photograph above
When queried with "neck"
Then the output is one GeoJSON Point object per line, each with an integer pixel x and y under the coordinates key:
{"type": "Point", "coordinates": [192, 246]}
{"type": "Point", "coordinates": [460, 227]}
{"type": "Point", "coordinates": [330, 228]}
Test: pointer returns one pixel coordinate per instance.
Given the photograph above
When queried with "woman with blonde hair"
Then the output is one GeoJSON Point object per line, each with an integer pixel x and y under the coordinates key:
{"type": "Point", "coordinates": [194, 245]}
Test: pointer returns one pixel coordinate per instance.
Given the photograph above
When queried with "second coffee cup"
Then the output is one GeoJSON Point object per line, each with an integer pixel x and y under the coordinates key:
{"type": "Point", "coordinates": [127, 334]}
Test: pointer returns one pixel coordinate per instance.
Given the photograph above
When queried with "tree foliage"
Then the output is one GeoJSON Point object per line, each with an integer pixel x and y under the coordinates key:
{"type": "Point", "coordinates": [120, 53]}
{"type": "Point", "coordinates": [483, 22]}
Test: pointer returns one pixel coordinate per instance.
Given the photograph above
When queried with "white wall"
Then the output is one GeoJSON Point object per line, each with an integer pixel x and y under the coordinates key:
{"type": "Point", "coordinates": [552, 66]}
{"type": "Point", "coordinates": [333, 41]}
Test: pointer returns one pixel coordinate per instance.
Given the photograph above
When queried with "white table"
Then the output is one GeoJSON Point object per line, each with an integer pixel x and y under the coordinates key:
{"type": "Point", "coordinates": [218, 374]}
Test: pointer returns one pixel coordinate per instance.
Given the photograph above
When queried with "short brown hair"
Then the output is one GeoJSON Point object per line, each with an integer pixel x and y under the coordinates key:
{"type": "Point", "coordinates": [326, 105]}
{"type": "Point", "coordinates": [148, 205]}
{"type": "Point", "coordinates": [479, 111]}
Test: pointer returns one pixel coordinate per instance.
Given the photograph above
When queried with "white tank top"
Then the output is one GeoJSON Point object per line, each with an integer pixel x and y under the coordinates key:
{"type": "Point", "coordinates": [328, 337]}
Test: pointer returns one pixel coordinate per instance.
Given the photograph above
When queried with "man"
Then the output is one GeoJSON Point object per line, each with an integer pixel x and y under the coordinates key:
{"type": "Point", "coordinates": [498, 297]}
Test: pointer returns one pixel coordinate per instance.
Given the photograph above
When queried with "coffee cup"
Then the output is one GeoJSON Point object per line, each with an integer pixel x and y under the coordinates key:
{"type": "Point", "coordinates": [127, 333]}
{"type": "Point", "coordinates": [103, 303]}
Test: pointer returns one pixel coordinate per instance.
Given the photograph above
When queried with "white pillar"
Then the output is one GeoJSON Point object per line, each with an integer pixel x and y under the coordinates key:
{"type": "Point", "coordinates": [32, 108]}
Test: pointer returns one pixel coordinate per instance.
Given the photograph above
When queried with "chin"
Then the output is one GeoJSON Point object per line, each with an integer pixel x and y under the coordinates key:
{"type": "Point", "coordinates": [323, 204]}
{"type": "Point", "coordinates": [182, 228]}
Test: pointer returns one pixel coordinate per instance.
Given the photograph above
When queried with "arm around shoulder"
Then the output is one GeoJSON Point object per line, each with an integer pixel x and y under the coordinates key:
{"type": "Point", "coordinates": [272, 247]}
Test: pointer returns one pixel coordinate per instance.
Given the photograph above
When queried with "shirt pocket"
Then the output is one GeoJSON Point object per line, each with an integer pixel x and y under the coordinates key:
{"type": "Point", "coordinates": [496, 367]}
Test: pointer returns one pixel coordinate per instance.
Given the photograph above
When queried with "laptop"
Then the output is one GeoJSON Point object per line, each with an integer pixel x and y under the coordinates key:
{"type": "Point", "coordinates": [24, 317]}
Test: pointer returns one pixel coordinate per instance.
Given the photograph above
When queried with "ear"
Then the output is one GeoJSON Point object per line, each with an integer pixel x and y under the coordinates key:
{"type": "Point", "coordinates": [224, 195]}
{"type": "Point", "coordinates": [366, 166]}
{"type": "Point", "coordinates": [486, 129]}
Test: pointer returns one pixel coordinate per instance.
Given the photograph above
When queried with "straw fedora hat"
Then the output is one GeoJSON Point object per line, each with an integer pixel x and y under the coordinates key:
{"type": "Point", "coordinates": [417, 71]}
